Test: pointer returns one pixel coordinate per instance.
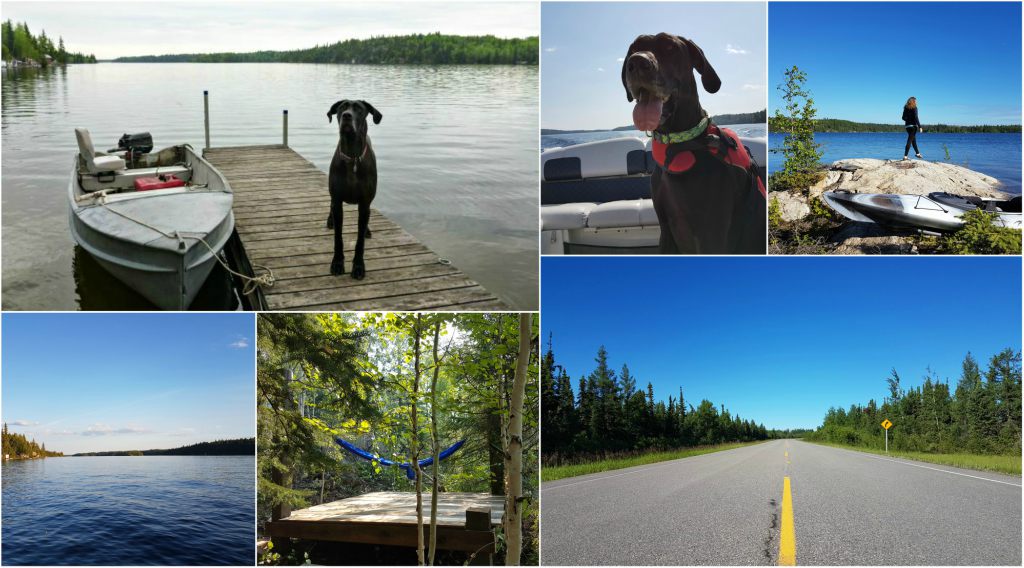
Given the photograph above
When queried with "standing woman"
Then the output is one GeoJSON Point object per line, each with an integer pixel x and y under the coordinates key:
{"type": "Point", "coordinates": [913, 126]}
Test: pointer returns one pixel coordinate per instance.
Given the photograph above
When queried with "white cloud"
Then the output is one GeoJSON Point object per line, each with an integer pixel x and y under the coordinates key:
{"type": "Point", "coordinates": [601, 69]}
{"type": "Point", "coordinates": [734, 49]}
{"type": "Point", "coordinates": [751, 87]}
{"type": "Point", "coordinates": [242, 343]}
{"type": "Point", "coordinates": [24, 423]}
{"type": "Point", "coordinates": [621, 59]}
{"type": "Point", "coordinates": [550, 49]}
{"type": "Point", "coordinates": [101, 429]}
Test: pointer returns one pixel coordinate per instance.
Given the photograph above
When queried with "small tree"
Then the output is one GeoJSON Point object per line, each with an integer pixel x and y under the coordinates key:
{"type": "Point", "coordinates": [801, 167]}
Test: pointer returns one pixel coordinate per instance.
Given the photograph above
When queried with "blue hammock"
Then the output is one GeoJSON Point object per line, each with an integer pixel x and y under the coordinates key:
{"type": "Point", "coordinates": [409, 471]}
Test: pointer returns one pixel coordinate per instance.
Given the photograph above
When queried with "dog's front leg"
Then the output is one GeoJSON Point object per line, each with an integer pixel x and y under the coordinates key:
{"type": "Point", "coordinates": [338, 262]}
{"type": "Point", "coordinates": [358, 267]}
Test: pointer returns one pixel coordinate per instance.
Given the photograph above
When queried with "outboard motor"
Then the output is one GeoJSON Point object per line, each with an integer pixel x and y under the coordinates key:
{"type": "Point", "coordinates": [135, 145]}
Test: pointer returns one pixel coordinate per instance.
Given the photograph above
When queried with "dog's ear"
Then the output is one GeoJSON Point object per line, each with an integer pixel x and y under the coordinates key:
{"type": "Point", "coordinates": [625, 60]}
{"type": "Point", "coordinates": [334, 110]}
{"type": "Point", "coordinates": [708, 76]}
{"type": "Point", "coordinates": [376, 113]}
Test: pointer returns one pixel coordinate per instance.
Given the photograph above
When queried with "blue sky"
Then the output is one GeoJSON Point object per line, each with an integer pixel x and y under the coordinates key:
{"type": "Point", "coordinates": [962, 60]}
{"type": "Point", "coordinates": [96, 382]}
{"type": "Point", "coordinates": [108, 30]}
{"type": "Point", "coordinates": [779, 340]}
{"type": "Point", "coordinates": [583, 43]}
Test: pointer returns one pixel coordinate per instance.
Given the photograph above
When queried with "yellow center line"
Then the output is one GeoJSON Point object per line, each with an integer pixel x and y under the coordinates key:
{"type": "Point", "coordinates": [787, 534]}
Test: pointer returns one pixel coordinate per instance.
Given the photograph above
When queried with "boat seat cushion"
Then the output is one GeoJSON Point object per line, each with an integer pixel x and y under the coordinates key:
{"type": "Point", "coordinates": [631, 213]}
{"type": "Point", "coordinates": [565, 216]}
{"type": "Point", "coordinates": [96, 162]}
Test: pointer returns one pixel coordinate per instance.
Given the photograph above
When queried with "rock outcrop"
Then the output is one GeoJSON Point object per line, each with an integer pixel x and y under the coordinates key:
{"type": "Point", "coordinates": [867, 175]}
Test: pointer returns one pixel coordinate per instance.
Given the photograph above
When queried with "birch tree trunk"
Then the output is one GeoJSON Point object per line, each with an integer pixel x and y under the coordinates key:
{"type": "Point", "coordinates": [514, 456]}
{"type": "Point", "coordinates": [437, 446]}
{"type": "Point", "coordinates": [415, 441]}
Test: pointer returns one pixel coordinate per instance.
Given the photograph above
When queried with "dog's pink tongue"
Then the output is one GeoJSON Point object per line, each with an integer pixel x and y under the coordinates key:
{"type": "Point", "coordinates": [647, 115]}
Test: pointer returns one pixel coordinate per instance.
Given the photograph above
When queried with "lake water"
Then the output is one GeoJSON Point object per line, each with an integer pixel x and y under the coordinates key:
{"type": "Point", "coordinates": [558, 140]}
{"type": "Point", "coordinates": [456, 153]}
{"type": "Point", "coordinates": [170, 510]}
{"type": "Point", "coordinates": [997, 155]}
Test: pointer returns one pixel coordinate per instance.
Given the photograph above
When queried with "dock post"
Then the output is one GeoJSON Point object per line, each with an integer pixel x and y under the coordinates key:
{"type": "Point", "coordinates": [479, 519]}
{"type": "Point", "coordinates": [206, 117]}
{"type": "Point", "coordinates": [286, 127]}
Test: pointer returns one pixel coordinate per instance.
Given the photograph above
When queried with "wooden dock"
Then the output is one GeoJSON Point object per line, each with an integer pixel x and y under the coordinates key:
{"type": "Point", "coordinates": [389, 518]}
{"type": "Point", "coordinates": [281, 205]}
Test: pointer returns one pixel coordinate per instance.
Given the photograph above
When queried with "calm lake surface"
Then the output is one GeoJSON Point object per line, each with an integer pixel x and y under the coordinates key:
{"type": "Point", "coordinates": [456, 153]}
{"type": "Point", "coordinates": [997, 155]}
{"type": "Point", "coordinates": [559, 140]}
{"type": "Point", "coordinates": [170, 510]}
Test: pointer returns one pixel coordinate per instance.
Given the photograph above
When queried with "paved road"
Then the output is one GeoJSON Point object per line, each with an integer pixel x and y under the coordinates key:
{"type": "Point", "coordinates": [726, 508]}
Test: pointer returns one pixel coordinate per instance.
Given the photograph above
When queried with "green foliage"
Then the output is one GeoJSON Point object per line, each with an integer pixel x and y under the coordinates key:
{"type": "Point", "coordinates": [838, 125]}
{"type": "Point", "coordinates": [1000, 463]}
{"type": "Point", "coordinates": [982, 415]}
{"type": "Point", "coordinates": [606, 416]}
{"type": "Point", "coordinates": [801, 167]}
{"type": "Point", "coordinates": [237, 447]}
{"type": "Point", "coordinates": [18, 447]}
{"type": "Point", "coordinates": [19, 44]}
{"type": "Point", "coordinates": [945, 149]}
{"type": "Point", "coordinates": [630, 459]}
{"type": "Point", "coordinates": [421, 49]}
{"type": "Point", "coordinates": [980, 235]}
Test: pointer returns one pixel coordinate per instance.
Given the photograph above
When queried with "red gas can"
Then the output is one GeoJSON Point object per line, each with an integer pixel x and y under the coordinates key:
{"type": "Point", "coordinates": [159, 182]}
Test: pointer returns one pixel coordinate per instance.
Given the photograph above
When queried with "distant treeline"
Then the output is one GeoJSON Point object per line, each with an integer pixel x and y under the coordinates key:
{"type": "Point", "coordinates": [608, 414]}
{"type": "Point", "coordinates": [20, 45]}
{"type": "Point", "coordinates": [239, 447]}
{"type": "Point", "coordinates": [981, 416]}
{"type": "Point", "coordinates": [742, 118]}
{"type": "Point", "coordinates": [18, 447]}
{"type": "Point", "coordinates": [838, 125]}
{"type": "Point", "coordinates": [427, 49]}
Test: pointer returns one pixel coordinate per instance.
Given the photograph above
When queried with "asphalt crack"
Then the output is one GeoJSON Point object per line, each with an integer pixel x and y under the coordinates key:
{"type": "Point", "coordinates": [773, 531]}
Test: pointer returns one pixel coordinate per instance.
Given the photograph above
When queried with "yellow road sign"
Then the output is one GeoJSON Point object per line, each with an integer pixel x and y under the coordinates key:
{"type": "Point", "coordinates": [886, 424]}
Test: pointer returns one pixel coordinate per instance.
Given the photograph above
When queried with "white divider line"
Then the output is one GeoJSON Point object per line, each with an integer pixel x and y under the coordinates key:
{"type": "Point", "coordinates": [938, 469]}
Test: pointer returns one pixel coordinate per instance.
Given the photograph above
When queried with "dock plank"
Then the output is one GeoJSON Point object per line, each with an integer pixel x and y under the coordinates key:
{"type": "Point", "coordinates": [281, 207]}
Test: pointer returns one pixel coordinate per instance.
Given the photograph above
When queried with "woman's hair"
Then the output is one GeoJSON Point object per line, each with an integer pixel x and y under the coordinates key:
{"type": "Point", "coordinates": [911, 103]}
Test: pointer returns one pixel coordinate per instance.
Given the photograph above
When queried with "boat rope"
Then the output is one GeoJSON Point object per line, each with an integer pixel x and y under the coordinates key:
{"type": "Point", "coordinates": [251, 282]}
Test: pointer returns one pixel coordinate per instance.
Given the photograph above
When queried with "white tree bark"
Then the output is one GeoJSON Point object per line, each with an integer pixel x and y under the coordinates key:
{"type": "Point", "coordinates": [514, 455]}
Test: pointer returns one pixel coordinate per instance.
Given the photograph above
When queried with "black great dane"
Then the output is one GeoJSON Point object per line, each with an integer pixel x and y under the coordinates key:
{"type": "Point", "coordinates": [352, 179]}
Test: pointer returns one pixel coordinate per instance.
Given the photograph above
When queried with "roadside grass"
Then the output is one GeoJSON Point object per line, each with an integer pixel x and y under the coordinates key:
{"type": "Point", "coordinates": [552, 473]}
{"type": "Point", "coordinates": [981, 462]}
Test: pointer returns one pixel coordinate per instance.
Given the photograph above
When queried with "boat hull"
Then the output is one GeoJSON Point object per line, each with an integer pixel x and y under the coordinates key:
{"type": "Point", "coordinates": [909, 211]}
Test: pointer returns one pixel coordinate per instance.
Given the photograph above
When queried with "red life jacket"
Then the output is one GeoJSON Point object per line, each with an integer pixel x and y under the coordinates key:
{"type": "Point", "coordinates": [728, 148]}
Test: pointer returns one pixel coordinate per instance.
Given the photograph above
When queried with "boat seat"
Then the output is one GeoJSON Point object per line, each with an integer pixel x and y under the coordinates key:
{"type": "Point", "coordinates": [1012, 205]}
{"type": "Point", "coordinates": [96, 162]}
{"type": "Point", "coordinates": [565, 216]}
{"type": "Point", "coordinates": [615, 214]}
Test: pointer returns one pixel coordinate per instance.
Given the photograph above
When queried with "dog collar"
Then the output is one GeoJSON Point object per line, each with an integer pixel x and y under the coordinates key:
{"type": "Point", "coordinates": [684, 136]}
{"type": "Point", "coordinates": [355, 165]}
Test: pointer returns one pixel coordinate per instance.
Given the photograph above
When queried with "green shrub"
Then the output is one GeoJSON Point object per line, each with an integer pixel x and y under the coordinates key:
{"type": "Point", "coordinates": [801, 167]}
{"type": "Point", "coordinates": [980, 235]}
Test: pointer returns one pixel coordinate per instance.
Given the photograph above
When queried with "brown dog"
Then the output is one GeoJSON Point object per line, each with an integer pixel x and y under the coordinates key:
{"type": "Point", "coordinates": [713, 207]}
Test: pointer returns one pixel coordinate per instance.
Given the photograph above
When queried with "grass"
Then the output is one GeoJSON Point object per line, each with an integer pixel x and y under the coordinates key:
{"type": "Point", "coordinates": [981, 462]}
{"type": "Point", "coordinates": [551, 473]}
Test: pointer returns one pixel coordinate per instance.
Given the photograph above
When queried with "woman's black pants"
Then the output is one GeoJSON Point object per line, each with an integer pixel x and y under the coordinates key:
{"type": "Point", "coordinates": [911, 139]}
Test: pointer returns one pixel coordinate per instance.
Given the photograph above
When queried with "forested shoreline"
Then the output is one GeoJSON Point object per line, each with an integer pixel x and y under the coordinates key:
{"type": "Point", "coordinates": [415, 49]}
{"type": "Point", "coordinates": [235, 447]}
{"type": "Point", "coordinates": [607, 414]}
{"type": "Point", "coordinates": [19, 447]}
{"type": "Point", "coordinates": [20, 45]}
{"type": "Point", "coordinates": [839, 125]}
{"type": "Point", "coordinates": [980, 415]}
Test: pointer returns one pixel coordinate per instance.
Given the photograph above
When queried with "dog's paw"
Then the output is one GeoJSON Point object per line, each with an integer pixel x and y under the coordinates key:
{"type": "Point", "coordinates": [358, 270]}
{"type": "Point", "coordinates": [330, 222]}
{"type": "Point", "coordinates": [368, 235]}
{"type": "Point", "coordinates": [338, 266]}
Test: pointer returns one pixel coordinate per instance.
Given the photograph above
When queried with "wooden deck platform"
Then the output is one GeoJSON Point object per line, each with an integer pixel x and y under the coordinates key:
{"type": "Point", "coordinates": [389, 518]}
{"type": "Point", "coordinates": [281, 207]}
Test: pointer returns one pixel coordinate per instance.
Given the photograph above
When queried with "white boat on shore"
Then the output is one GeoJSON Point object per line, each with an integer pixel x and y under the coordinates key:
{"type": "Point", "coordinates": [156, 221]}
{"type": "Point", "coordinates": [596, 196]}
{"type": "Point", "coordinates": [936, 211]}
